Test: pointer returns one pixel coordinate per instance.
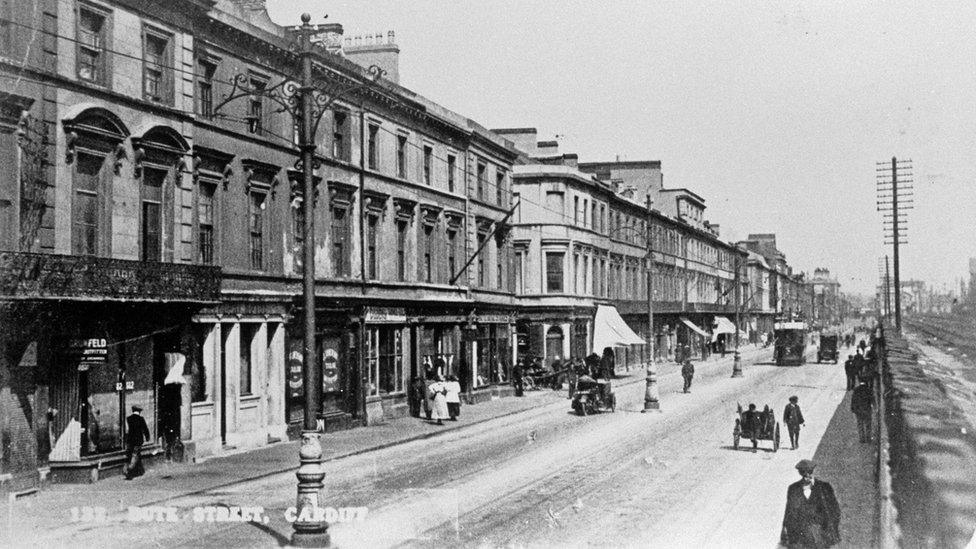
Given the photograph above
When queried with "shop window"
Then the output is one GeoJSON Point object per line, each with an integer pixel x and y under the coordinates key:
{"type": "Point", "coordinates": [91, 45]}
{"type": "Point", "coordinates": [205, 222]}
{"type": "Point", "coordinates": [554, 271]}
{"type": "Point", "coordinates": [85, 207]}
{"type": "Point", "coordinates": [248, 333]}
{"type": "Point", "coordinates": [384, 357]}
{"type": "Point", "coordinates": [152, 228]}
{"type": "Point", "coordinates": [199, 383]}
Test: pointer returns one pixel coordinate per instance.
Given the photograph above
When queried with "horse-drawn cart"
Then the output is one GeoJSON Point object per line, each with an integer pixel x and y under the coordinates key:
{"type": "Point", "coordinates": [755, 425]}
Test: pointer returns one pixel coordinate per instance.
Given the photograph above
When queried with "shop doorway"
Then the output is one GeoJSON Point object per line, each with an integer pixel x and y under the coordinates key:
{"type": "Point", "coordinates": [333, 355]}
{"type": "Point", "coordinates": [554, 344]}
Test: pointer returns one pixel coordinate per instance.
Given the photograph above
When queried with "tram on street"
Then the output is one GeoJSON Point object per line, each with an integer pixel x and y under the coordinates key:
{"type": "Point", "coordinates": [790, 342]}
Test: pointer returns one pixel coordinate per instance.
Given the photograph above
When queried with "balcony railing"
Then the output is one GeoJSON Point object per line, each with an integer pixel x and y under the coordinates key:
{"type": "Point", "coordinates": [52, 276]}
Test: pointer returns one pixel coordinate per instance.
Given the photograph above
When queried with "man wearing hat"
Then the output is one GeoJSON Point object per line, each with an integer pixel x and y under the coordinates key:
{"type": "Point", "coordinates": [793, 418]}
{"type": "Point", "coordinates": [136, 432]}
{"type": "Point", "coordinates": [812, 518]}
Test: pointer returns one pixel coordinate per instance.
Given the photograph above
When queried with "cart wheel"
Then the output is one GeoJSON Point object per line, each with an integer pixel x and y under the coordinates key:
{"type": "Point", "coordinates": [735, 441]}
{"type": "Point", "coordinates": [582, 409]}
{"type": "Point", "coordinates": [776, 438]}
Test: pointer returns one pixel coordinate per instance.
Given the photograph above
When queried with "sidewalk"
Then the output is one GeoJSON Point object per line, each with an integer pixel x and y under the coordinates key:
{"type": "Point", "coordinates": [52, 507]}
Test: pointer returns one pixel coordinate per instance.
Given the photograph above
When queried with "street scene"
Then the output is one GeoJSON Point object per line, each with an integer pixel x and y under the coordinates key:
{"type": "Point", "coordinates": [475, 274]}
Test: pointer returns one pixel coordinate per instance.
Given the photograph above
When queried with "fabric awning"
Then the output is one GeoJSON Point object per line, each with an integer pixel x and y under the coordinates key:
{"type": "Point", "coordinates": [175, 363]}
{"type": "Point", "coordinates": [694, 327]}
{"type": "Point", "coordinates": [609, 330]}
{"type": "Point", "coordinates": [722, 325]}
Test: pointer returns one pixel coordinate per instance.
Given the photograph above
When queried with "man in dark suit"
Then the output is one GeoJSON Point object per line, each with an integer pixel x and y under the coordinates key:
{"type": "Point", "coordinates": [862, 404]}
{"type": "Point", "coordinates": [812, 518]}
{"type": "Point", "coordinates": [136, 432]}
{"type": "Point", "coordinates": [793, 418]}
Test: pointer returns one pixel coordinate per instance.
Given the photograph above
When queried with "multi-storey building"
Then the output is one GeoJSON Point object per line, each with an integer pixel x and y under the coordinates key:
{"type": "Point", "coordinates": [150, 250]}
{"type": "Point", "coordinates": [826, 297]}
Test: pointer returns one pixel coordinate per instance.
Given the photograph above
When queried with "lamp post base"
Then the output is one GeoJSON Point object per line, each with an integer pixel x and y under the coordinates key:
{"type": "Point", "coordinates": [737, 365]}
{"type": "Point", "coordinates": [311, 528]}
{"type": "Point", "coordinates": [651, 401]}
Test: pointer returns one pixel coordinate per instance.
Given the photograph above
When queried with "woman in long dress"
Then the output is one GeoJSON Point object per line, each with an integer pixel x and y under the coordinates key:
{"type": "Point", "coordinates": [438, 391]}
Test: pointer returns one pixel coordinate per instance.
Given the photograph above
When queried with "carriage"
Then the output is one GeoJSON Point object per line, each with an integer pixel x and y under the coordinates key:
{"type": "Point", "coordinates": [790, 343]}
{"type": "Point", "coordinates": [593, 395]}
{"type": "Point", "coordinates": [827, 350]}
{"type": "Point", "coordinates": [762, 427]}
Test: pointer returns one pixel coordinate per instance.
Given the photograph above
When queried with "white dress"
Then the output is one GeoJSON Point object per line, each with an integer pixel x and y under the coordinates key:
{"type": "Point", "coordinates": [438, 389]}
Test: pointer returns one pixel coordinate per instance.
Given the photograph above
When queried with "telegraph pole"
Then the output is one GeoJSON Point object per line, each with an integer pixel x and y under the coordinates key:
{"type": "Point", "coordinates": [887, 289]}
{"type": "Point", "coordinates": [895, 197]}
{"type": "Point", "coordinates": [651, 401]}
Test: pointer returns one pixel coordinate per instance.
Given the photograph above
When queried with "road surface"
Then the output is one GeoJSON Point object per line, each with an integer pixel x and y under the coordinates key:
{"type": "Point", "coordinates": [545, 477]}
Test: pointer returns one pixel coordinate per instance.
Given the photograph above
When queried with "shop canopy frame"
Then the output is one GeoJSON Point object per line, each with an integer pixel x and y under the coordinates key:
{"type": "Point", "coordinates": [610, 330]}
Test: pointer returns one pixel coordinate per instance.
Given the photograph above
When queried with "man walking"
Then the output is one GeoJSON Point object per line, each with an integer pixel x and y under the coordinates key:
{"type": "Point", "coordinates": [850, 368]}
{"type": "Point", "coordinates": [812, 518]}
{"type": "Point", "coordinates": [793, 418]}
{"type": "Point", "coordinates": [687, 372]}
{"type": "Point", "coordinates": [862, 404]}
{"type": "Point", "coordinates": [136, 432]}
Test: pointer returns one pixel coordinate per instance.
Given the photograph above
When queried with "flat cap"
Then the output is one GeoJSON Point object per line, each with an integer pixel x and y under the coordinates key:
{"type": "Point", "coordinates": [136, 408]}
{"type": "Point", "coordinates": [805, 465]}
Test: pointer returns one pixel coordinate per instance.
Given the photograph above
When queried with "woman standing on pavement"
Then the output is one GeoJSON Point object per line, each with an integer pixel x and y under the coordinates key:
{"type": "Point", "coordinates": [438, 392]}
{"type": "Point", "coordinates": [453, 397]}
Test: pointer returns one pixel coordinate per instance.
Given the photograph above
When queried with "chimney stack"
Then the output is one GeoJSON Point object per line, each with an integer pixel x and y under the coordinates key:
{"type": "Point", "coordinates": [375, 49]}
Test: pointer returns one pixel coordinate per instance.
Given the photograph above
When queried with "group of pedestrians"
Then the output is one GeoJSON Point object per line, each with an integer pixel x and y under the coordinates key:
{"type": "Point", "coordinates": [439, 397]}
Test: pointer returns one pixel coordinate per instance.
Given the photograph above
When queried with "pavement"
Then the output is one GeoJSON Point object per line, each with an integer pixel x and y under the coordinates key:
{"type": "Point", "coordinates": [848, 465]}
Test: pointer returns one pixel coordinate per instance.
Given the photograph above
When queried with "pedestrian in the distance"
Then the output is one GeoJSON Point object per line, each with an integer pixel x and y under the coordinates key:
{"type": "Point", "coordinates": [688, 373]}
{"type": "Point", "coordinates": [453, 397]}
{"type": "Point", "coordinates": [812, 517]}
{"type": "Point", "coordinates": [518, 383]}
{"type": "Point", "coordinates": [793, 418]}
{"type": "Point", "coordinates": [862, 404]}
{"type": "Point", "coordinates": [438, 393]}
{"type": "Point", "coordinates": [750, 424]}
{"type": "Point", "coordinates": [417, 388]}
{"type": "Point", "coordinates": [136, 432]}
{"type": "Point", "coordinates": [850, 369]}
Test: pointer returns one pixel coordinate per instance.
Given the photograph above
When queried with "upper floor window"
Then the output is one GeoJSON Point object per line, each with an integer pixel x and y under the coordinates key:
{"type": "Point", "coordinates": [481, 259]}
{"type": "Point", "coordinates": [255, 109]}
{"type": "Point", "coordinates": [603, 218]}
{"type": "Point", "coordinates": [451, 169]}
{"type": "Point", "coordinates": [554, 271]}
{"type": "Point", "coordinates": [205, 75]}
{"type": "Point", "coordinates": [499, 187]}
{"type": "Point", "coordinates": [91, 45]}
{"type": "Point", "coordinates": [340, 242]}
{"type": "Point", "coordinates": [452, 241]}
{"type": "Point", "coordinates": [482, 171]}
{"type": "Point", "coordinates": [340, 135]}
{"type": "Point", "coordinates": [153, 180]}
{"type": "Point", "coordinates": [401, 155]}
{"type": "Point", "coordinates": [85, 204]}
{"type": "Point", "coordinates": [373, 151]}
{"type": "Point", "coordinates": [205, 222]}
{"type": "Point", "coordinates": [256, 205]}
{"type": "Point", "coordinates": [428, 265]}
{"type": "Point", "coordinates": [519, 271]}
{"type": "Point", "coordinates": [428, 159]}
{"type": "Point", "coordinates": [554, 203]}
{"type": "Point", "coordinates": [372, 222]}
{"type": "Point", "coordinates": [401, 227]}
{"type": "Point", "coordinates": [156, 67]}
{"type": "Point", "coordinates": [576, 212]}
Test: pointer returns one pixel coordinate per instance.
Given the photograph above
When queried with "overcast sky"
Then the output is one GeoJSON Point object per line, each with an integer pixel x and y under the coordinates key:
{"type": "Point", "coordinates": [774, 112]}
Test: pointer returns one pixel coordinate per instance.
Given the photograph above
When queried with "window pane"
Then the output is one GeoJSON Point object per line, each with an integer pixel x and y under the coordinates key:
{"type": "Point", "coordinates": [554, 271]}
{"type": "Point", "coordinates": [150, 231]}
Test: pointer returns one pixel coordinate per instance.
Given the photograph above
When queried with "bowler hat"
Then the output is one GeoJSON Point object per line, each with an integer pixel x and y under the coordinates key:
{"type": "Point", "coordinates": [136, 408]}
{"type": "Point", "coordinates": [805, 465]}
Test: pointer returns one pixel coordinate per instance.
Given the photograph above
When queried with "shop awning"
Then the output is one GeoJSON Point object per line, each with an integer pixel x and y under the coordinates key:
{"type": "Point", "coordinates": [694, 327]}
{"type": "Point", "coordinates": [609, 330]}
{"type": "Point", "coordinates": [174, 363]}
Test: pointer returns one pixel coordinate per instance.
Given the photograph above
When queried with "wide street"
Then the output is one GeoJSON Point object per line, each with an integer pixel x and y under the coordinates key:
{"type": "Point", "coordinates": [547, 477]}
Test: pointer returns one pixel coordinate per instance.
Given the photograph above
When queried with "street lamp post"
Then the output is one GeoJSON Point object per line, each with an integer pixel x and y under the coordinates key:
{"type": "Point", "coordinates": [651, 400]}
{"type": "Point", "coordinates": [306, 102]}
{"type": "Point", "coordinates": [737, 357]}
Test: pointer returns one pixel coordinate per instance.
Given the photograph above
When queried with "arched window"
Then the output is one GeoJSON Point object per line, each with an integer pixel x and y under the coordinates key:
{"type": "Point", "coordinates": [159, 161]}
{"type": "Point", "coordinates": [93, 146]}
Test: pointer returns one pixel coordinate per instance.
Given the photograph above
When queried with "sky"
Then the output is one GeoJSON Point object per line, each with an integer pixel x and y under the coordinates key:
{"type": "Point", "coordinates": [775, 112]}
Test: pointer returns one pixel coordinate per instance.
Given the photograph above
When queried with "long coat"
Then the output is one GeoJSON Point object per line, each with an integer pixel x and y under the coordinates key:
{"type": "Point", "coordinates": [792, 415]}
{"type": "Point", "coordinates": [813, 522]}
{"type": "Point", "coordinates": [438, 390]}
